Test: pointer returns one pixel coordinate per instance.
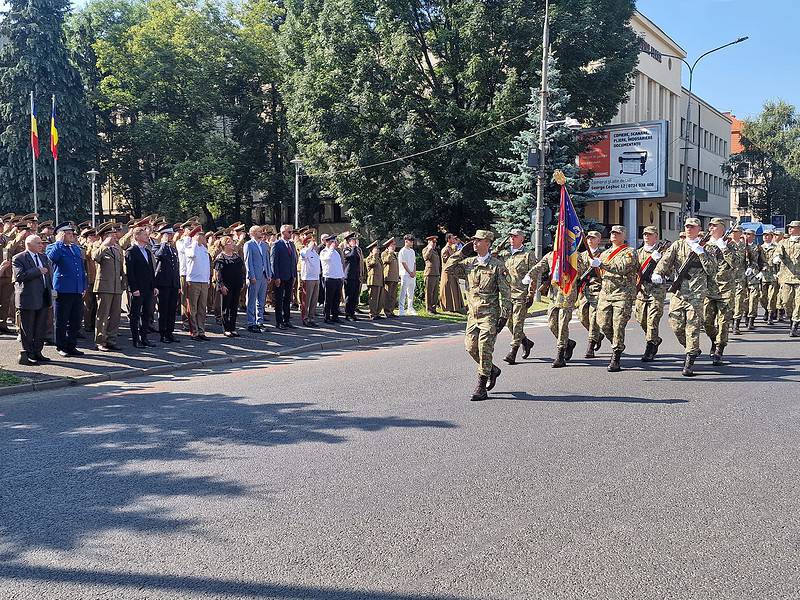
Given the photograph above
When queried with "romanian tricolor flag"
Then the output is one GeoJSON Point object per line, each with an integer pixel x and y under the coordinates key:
{"type": "Point", "coordinates": [569, 236]}
{"type": "Point", "coordinates": [53, 131]}
{"type": "Point", "coordinates": [34, 130]}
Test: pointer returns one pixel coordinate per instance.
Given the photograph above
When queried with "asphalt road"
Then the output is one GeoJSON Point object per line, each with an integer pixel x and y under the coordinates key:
{"type": "Point", "coordinates": [366, 474]}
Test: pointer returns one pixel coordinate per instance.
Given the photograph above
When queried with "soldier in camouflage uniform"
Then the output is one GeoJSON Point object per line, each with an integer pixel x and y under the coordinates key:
{"type": "Point", "coordinates": [587, 308]}
{"type": "Point", "coordinates": [617, 293]}
{"type": "Point", "coordinates": [561, 307]}
{"type": "Point", "coordinates": [769, 285]}
{"type": "Point", "coordinates": [779, 237]}
{"type": "Point", "coordinates": [717, 311]}
{"type": "Point", "coordinates": [754, 278]}
{"type": "Point", "coordinates": [518, 262]}
{"type": "Point", "coordinates": [489, 303]}
{"type": "Point", "coordinates": [743, 276]}
{"type": "Point", "coordinates": [787, 255]}
{"type": "Point", "coordinates": [686, 304]}
{"type": "Point", "coordinates": [650, 297]}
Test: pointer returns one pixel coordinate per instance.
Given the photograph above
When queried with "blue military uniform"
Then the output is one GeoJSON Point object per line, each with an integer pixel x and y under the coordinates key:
{"type": "Point", "coordinates": [69, 282]}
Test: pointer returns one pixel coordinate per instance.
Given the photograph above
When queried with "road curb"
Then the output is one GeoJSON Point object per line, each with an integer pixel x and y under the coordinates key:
{"type": "Point", "coordinates": [131, 372]}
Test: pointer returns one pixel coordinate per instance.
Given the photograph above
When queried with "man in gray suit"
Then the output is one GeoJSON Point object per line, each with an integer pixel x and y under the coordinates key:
{"type": "Point", "coordinates": [32, 274]}
{"type": "Point", "coordinates": [259, 272]}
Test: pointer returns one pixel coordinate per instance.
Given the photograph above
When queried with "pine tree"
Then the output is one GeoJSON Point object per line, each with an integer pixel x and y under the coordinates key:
{"type": "Point", "coordinates": [515, 206]}
{"type": "Point", "coordinates": [34, 57]}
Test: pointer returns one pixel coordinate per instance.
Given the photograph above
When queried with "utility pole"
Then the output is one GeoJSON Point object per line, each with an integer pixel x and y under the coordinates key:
{"type": "Point", "coordinates": [540, 179]}
{"type": "Point", "coordinates": [297, 162]}
{"type": "Point", "coordinates": [93, 175]}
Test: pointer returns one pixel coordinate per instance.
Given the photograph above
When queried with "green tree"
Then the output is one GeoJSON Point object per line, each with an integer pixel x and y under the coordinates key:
{"type": "Point", "coordinates": [35, 58]}
{"type": "Point", "coordinates": [373, 80]}
{"type": "Point", "coordinates": [768, 168]}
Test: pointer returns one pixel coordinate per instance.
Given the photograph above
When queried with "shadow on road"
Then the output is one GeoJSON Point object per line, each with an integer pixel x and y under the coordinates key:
{"type": "Point", "coordinates": [530, 398]}
{"type": "Point", "coordinates": [77, 475]}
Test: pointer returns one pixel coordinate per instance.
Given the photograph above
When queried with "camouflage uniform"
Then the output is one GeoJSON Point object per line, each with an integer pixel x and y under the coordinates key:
{"type": "Point", "coordinates": [488, 299]}
{"type": "Point", "coordinates": [754, 283]}
{"type": "Point", "coordinates": [649, 301]}
{"type": "Point", "coordinates": [617, 294]}
{"type": "Point", "coordinates": [788, 251]}
{"type": "Point", "coordinates": [686, 304]}
{"type": "Point", "coordinates": [742, 299]}
{"type": "Point", "coordinates": [587, 309]}
{"type": "Point", "coordinates": [518, 263]}
{"type": "Point", "coordinates": [769, 283]}
{"type": "Point", "coordinates": [717, 312]}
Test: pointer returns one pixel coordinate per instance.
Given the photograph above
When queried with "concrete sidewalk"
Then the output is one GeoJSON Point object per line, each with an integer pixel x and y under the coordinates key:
{"type": "Point", "coordinates": [187, 354]}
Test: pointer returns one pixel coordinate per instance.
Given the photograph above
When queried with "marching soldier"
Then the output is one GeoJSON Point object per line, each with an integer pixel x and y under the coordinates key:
{"type": "Point", "coordinates": [489, 304]}
{"type": "Point", "coordinates": [779, 237]}
{"type": "Point", "coordinates": [374, 280]}
{"type": "Point", "coordinates": [518, 263]}
{"type": "Point", "coordinates": [717, 306]}
{"type": "Point", "coordinates": [617, 293]}
{"type": "Point", "coordinates": [686, 304]}
{"type": "Point", "coordinates": [587, 308]}
{"type": "Point", "coordinates": [769, 284]}
{"type": "Point", "coordinates": [650, 297]}
{"type": "Point", "coordinates": [433, 272]}
{"type": "Point", "coordinates": [754, 277]}
{"type": "Point", "coordinates": [742, 291]}
{"type": "Point", "coordinates": [787, 255]}
{"type": "Point", "coordinates": [391, 277]}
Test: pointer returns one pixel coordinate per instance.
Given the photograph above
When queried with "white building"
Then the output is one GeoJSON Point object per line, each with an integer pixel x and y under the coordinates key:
{"type": "Point", "coordinates": [658, 95]}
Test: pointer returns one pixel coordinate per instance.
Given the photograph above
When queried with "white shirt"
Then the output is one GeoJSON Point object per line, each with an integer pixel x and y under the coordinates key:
{"type": "Point", "coordinates": [331, 263]}
{"type": "Point", "coordinates": [198, 263]}
{"type": "Point", "coordinates": [311, 265]}
{"type": "Point", "coordinates": [180, 246]}
{"type": "Point", "coordinates": [484, 259]}
{"type": "Point", "coordinates": [38, 262]}
{"type": "Point", "coordinates": [407, 257]}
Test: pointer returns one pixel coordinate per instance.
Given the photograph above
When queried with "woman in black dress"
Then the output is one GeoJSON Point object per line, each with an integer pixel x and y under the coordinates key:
{"type": "Point", "coordinates": [229, 268]}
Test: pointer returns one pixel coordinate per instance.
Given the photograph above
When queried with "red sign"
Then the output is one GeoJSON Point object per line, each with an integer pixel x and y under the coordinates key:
{"type": "Point", "coordinates": [597, 158]}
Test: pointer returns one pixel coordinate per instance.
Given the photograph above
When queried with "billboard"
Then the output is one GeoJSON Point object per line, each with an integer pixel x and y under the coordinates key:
{"type": "Point", "coordinates": [627, 161]}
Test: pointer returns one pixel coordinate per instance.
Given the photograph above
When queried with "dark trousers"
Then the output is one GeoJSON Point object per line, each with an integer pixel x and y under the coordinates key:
{"type": "Point", "coordinates": [333, 297]}
{"type": "Point", "coordinates": [167, 307]}
{"type": "Point", "coordinates": [283, 301]}
{"type": "Point", "coordinates": [352, 289]}
{"type": "Point", "coordinates": [32, 329]}
{"type": "Point", "coordinates": [230, 308]}
{"type": "Point", "coordinates": [141, 311]}
{"type": "Point", "coordinates": [321, 298]}
{"type": "Point", "coordinates": [69, 312]}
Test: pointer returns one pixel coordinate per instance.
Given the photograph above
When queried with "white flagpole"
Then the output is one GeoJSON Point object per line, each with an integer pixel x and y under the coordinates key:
{"type": "Point", "coordinates": [55, 161]}
{"type": "Point", "coordinates": [33, 160]}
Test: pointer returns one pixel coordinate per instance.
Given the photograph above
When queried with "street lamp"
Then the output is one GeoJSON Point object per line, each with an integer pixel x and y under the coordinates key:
{"type": "Point", "coordinates": [93, 174]}
{"type": "Point", "coordinates": [691, 68]}
{"type": "Point", "coordinates": [298, 163]}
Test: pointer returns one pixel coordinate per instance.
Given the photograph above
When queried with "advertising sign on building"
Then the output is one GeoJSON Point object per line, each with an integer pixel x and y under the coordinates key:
{"type": "Point", "coordinates": [627, 161]}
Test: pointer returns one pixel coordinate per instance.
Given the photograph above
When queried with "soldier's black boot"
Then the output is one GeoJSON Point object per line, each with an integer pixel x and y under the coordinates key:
{"type": "Point", "coordinates": [766, 316]}
{"type": "Point", "coordinates": [655, 348]}
{"type": "Point", "coordinates": [560, 359]}
{"type": "Point", "coordinates": [795, 329]}
{"type": "Point", "coordinates": [590, 350]}
{"type": "Point", "coordinates": [782, 316]}
{"type": "Point", "coordinates": [716, 354]}
{"type": "Point", "coordinates": [751, 324]}
{"type": "Point", "coordinates": [771, 316]}
{"type": "Point", "coordinates": [613, 366]}
{"type": "Point", "coordinates": [493, 377]}
{"type": "Point", "coordinates": [527, 346]}
{"type": "Point", "coordinates": [480, 390]}
{"type": "Point", "coordinates": [570, 349]}
{"type": "Point", "coordinates": [511, 357]}
{"type": "Point", "coordinates": [736, 326]}
{"type": "Point", "coordinates": [598, 343]}
{"type": "Point", "coordinates": [648, 352]}
{"type": "Point", "coordinates": [688, 366]}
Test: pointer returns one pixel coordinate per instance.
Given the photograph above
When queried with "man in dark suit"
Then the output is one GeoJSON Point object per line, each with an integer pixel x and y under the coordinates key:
{"type": "Point", "coordinates": [353, 261]}
{"type": "Point", "coordinates": [284, 271]}
{"type": "Point", "coordinates": [168, 283]}
{"type": "Point", "coordinates": [32, 274]}
{"type": "Point", "coordinates": [141, 286]}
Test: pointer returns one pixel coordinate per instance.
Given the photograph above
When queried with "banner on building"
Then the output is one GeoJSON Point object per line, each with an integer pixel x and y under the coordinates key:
{"type": "Point", "coordinates": [627, 161]}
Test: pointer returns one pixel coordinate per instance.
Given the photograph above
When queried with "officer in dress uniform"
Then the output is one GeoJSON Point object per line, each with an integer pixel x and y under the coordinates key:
{"type": "Point", "coordinates": [391, 277]}
{"type": "Point", "coordinates": [352, 262]}
{"type": "Point", "coordinates": [432, 274]}
{"type": "Point", "coordinates": [69, 282]}
{"type": "Point", "coordinates": [108, 285]}
{"type": "Point", "coordinates": [374, 280]}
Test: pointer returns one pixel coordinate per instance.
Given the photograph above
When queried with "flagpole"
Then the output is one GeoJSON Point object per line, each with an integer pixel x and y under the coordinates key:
{"type": "Point", "coordinates": [33, 160]}
{"type": "Point", "coordinates": [55, 164]}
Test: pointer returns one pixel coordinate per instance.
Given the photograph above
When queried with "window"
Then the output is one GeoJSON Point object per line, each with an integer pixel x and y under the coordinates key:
{"type": "Point", "coordinates": [663, 219]}
{"type": "Point", "coordinates": [694, 134]}
{"type": "Point", "coordinates": [683, 126]}
{"type": "Point", "coordinates": [672, 220]}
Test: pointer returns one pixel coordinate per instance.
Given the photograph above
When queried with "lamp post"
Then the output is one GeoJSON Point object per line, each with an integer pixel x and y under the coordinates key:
{"type": "Point", "coordinates": [93, 174]}
{"type": "Point", "coordinates": [540, 181]}
{"type": "Point", "coordinates": [298, 163]}
{"type": "Point", "coordinates": [691, 68]}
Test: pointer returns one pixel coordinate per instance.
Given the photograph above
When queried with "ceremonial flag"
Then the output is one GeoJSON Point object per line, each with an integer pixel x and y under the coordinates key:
{"type": "Point", "coordinates": [569, 235]}
{"type": "Point", "coordinates": [34, 130]}
{"type": "Point", "coordinates": [53, 131]}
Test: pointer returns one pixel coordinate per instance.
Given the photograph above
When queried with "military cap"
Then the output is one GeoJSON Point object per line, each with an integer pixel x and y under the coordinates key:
{"type": "Point", "coordinates": [21, 225]}
{"type": "Point", "coordinates": [388, 242]}
{"type": "Point", "coordinates": [517, 231]}
{"type": "Point", "coordinates": [750, 232]}
{"type": "Point", "coordinates": [142, 223]}
{"type": "Point", "coordinates": [83, 224]}
{"type": "Point", "coordinates": [65, 226]}
{"type": "Point", "coordinates": [737, 228]}
{"type": "Point", "coordinates": [108, 227]}
{"type": "Point", "coordinates": [195, 231]}
{"type": "Point", "coordinates": [238, 226]}
{"type": "Point", "coordinates": [30, 217]}
{"type": "Point", "coordinates": [432, 238]}
{"type": "Point", "coordinates": [87, 232]}
{"type": "Point", "coordinates": [594, 234]}
{"type": "Point", "coordinates": [49, 223]}
{"type": "Point", "coordinates": [324, 237]}
{"type": "Point", "coordinates": [166, 229]}
{"type": "Point", "coordinates": [716, 221]}
{"type": "Point", "coordinates": [618, 229]}
{"type": "Point", "coordinates": [373, 245]}
{"type": "Point", "coordinates": [483, 234]}
{"type": "Point", "coordinates": [188, 225]}
{"type": "Point", "coordinates": [8, 217]}
{"type": "Point", "coordinates": [350, 235]}
{"type": "Point", "coordinates": [221, 231]}
{"type": "Point", "coordinates": [691, 222]}
{"type": "Point", "coordinates": [650, 229]}
{"type": "Point", "coordinates": [794, 224]}
{"type": "Point", "coordinates": [769, 232]}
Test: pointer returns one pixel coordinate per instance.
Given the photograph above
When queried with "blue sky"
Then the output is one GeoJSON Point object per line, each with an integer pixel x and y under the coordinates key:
{"type": "Point", "coordinates": [740, 78]}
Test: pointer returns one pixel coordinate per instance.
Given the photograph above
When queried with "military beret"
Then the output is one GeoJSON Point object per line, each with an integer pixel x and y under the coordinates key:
{"type": "Point", "coordinates": [618, 229]}
{"type": "Point", "coordinates": [650, 229]}
{"type": "Point", "coordinates": [794, 224]}
{"type": "Point", "coordinates": [691, 222]}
